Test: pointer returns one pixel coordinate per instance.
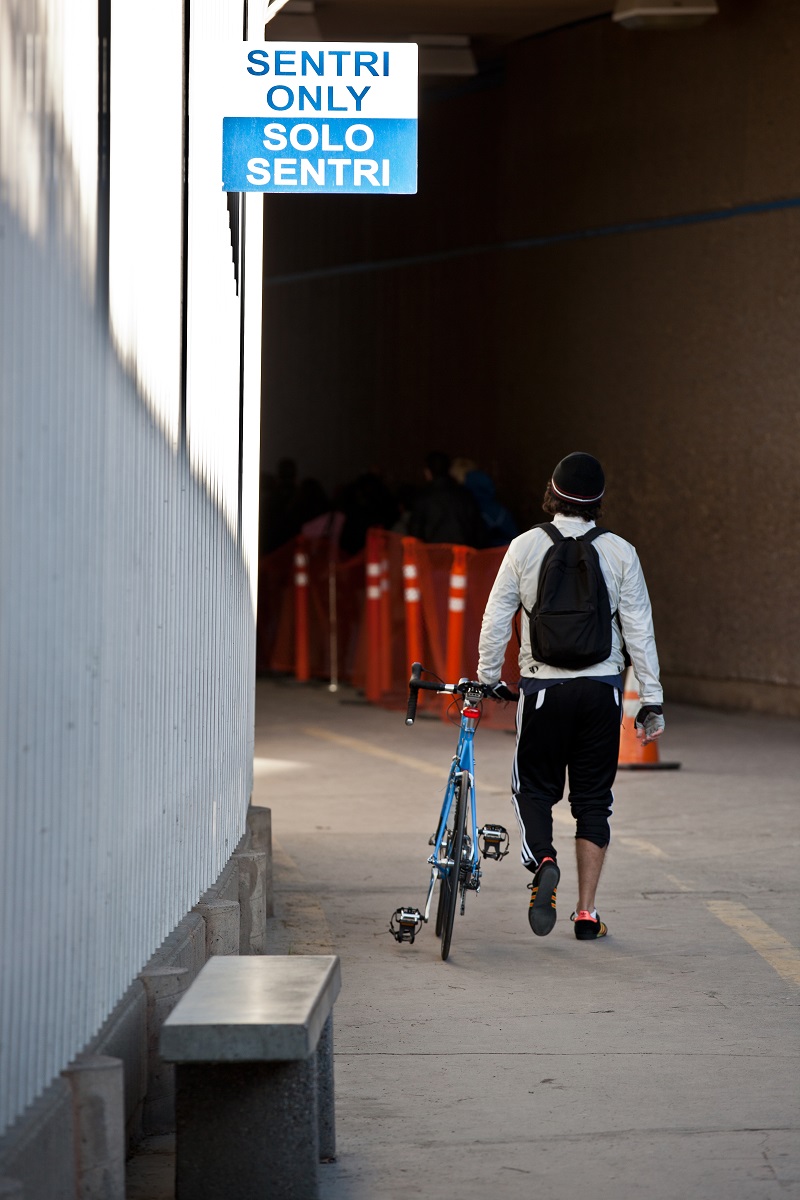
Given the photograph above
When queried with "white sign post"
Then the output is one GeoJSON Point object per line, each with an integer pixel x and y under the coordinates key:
{"type": "Point", "coordinates": [310, 116]}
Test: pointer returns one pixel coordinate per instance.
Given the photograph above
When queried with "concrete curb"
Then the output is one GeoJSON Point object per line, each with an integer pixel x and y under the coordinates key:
{"type": "Point", "coordinates": [98, 1107]}
{"type": "Point", "coordinates": [38, 1154]}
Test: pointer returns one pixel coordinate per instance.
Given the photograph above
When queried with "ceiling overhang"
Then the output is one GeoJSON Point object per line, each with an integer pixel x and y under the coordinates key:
{"type": "Point", "coordinates": [487, 23]}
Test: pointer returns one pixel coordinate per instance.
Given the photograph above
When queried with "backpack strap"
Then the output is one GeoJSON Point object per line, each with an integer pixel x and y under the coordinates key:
{"type": "Point", "coordinates": [590, 537]}
{"type": "Point", "coordinates": [552, 530]}
{"type": "Point", "coordinates": [592, 534]}
{"type": "Point", "coordinates": [555, 536]}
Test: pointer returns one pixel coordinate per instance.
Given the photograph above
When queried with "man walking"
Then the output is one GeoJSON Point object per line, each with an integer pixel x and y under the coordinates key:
{"type": "Point", "coordinates": [571, 662]}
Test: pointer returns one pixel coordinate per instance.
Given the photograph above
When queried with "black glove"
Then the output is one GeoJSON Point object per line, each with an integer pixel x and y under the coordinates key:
{"type": "Point", "coordinates": [501, 691]}
{"type": "Point", "coordinates": [650, 720]}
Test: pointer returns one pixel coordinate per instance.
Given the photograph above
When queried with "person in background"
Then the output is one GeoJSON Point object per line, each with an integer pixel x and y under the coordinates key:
{"type": "Point", "coordinates": [278, 497]}
{"type": "Point", "coordinates": [500, 525]}
{"type": "Point", "coordinates": [444, 510]}
{"type": "Point", "coordinates": [310, 502]}
{"type": "Point", "coordinates": [461, 466]}
{"type": "Point", "coordinates": [406, 497]}
{"type": "Point", "coordinates": [366, 503]}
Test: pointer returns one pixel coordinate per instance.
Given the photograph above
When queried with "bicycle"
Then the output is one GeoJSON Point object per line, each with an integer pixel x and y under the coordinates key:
{"type": "Point", "coordinates": [458, 843]}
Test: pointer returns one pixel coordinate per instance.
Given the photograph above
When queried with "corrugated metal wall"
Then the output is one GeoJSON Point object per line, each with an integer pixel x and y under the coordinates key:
{"type": "Point", "coordinates": [128, 515]}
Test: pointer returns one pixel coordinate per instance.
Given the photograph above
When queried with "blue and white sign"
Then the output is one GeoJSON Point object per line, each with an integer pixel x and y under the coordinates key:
{"type": "Point", "coordinates": [312, 116]}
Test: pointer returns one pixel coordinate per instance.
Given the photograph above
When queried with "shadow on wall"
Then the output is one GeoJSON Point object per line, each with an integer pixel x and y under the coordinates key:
{"type": "Point", "coordinates": [128, 646]}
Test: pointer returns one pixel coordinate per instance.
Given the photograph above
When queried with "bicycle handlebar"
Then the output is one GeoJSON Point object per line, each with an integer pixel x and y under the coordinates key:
{"type": "Point", "coordinates": [416, 685]}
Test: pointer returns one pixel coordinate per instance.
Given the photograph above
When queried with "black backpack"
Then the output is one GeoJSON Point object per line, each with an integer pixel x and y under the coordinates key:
{"type": "Point", "coordinates": [570, 623]}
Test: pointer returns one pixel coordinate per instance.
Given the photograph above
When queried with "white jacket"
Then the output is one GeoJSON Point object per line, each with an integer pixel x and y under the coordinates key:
{"type": "Point", "coordinates": [517, 582]}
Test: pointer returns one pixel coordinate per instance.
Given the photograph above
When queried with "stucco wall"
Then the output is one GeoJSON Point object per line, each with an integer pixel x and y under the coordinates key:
{"type": "Point", "coordinates": [583, 270]}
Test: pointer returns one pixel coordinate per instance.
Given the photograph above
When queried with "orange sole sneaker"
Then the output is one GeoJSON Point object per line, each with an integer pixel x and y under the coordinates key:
{"type": "Point", "coordinates": [587, 927]}
{"type": "Point", "coordinates": [542, 908]}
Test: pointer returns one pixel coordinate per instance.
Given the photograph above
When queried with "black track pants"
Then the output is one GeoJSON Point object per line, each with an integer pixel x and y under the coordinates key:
{"type": "Point", "coordinates": [572, 726]}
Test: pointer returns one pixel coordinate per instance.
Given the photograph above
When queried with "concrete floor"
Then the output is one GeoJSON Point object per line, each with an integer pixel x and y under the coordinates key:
{"type": "Point", "coordinates": [658, 1063]}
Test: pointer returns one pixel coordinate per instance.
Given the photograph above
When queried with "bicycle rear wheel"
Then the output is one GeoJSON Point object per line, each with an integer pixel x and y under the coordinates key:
{"type": "Point", "coordinates": [449, 887]}
{"type": "Point", "coordinates": [441, 905]}
{"type": "Point", "coordinates": [441, 902]}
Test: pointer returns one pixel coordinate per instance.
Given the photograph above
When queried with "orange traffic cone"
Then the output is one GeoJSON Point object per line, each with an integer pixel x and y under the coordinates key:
{"type": "Point", "coordinates": [633, 756]}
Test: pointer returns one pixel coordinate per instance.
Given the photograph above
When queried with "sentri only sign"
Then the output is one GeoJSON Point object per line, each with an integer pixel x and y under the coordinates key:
{"type": "Point", "coordinates": [311, 116]}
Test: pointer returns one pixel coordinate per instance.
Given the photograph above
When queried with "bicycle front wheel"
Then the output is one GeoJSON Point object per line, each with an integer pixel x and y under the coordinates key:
{"type": "Point", "coordinates": [448, 898]}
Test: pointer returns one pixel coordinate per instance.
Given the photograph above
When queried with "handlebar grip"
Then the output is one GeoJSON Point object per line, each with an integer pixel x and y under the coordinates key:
{"type": "Point", "coordinates": [413, 692]}
{"type": "Point", "coordinates": [491, 694]}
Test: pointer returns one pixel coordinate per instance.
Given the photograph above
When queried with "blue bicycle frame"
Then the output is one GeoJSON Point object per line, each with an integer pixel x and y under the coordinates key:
{"type": "Point", "coordinates": [463, 760]}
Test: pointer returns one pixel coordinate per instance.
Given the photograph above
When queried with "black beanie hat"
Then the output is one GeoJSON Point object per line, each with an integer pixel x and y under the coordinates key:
{"type": "Point", "coordinates": [579, 479]}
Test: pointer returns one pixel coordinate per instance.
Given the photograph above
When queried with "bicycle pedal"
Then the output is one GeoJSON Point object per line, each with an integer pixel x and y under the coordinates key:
{"type": "Point", "coordinates": [405, 924]}
{"type": "Point", "coordinates": [491, 841]}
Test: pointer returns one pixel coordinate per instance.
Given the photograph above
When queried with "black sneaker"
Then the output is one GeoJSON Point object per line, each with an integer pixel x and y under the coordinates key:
{"type": "Point", "coordinates": [588, 927]}
{"type": "Point", "coordinates": [542, 908]}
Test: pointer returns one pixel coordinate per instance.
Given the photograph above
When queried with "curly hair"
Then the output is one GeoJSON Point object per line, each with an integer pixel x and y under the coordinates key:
{"type": "Point", "coordinates": [552, 505]}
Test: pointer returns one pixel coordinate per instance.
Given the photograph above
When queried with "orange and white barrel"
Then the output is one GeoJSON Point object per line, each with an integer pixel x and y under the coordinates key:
{"type": "Point", "coordinates": [456, 614]}
{"type": "Point", "coordinates": [412, 599]}
{"type": "Point", "coordinates": [633, 755]}
{"type": "Point", "coordinates": [373, 582]}
{"type": "Point", "coordinates": [301, 655]}
{"type": "Point", "coordinates": [385, 625]}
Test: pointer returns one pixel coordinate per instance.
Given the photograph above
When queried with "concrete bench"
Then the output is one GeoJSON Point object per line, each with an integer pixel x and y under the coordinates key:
{"type": "Point", "coordinates": [252, 1041]}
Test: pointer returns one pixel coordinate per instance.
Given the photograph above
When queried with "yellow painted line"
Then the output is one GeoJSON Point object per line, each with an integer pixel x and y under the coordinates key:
{"type": "Point", "coordinates": [362, 747]}
{"type": "Point", "coordinates": [781, 955]}
{"type": "Point", "coordinates": [679, 884]}
{"type": "Point", "coordinates": [641, 845]}
{"type": "Point", "coordinates": [402, 760]}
